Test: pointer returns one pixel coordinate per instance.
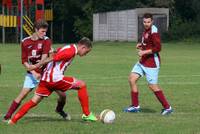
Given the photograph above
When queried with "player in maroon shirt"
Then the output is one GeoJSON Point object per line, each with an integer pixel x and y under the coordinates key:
{"type": "Point", "coordinates": [34, 49]}
{"type": "Point", "coordinates": [53, 79]}
{"type": "Point", "coordinates": [148, 65]}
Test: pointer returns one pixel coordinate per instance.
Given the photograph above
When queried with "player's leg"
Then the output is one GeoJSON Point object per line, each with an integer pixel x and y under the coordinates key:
{"type": "Point", "coordinates": [84, 100]}
{"type": "Point", "coordinates": [152, 78]}
{"type": "Point", "coordinates": [135, 74]}
{"type": "Point", "coordinates": [133, 77]}
{"type": "Point", "coordinates": [41, 91]}
{"type": "Point", "coordinates": [25, 108]}
{"type": "Point", "coordinates": [71, 83]}
{"type": "Point", "coordinates": [167, 109]}
{"type": "Point", "coordinates": [29, 83]}
{"type": "Point", "coordinates": [60, 105]}
{"type": "Point", "coordinates": [61, 100]}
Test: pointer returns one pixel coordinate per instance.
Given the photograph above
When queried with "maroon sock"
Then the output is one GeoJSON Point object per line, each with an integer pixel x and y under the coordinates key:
{"type": "Point", "coordinates": [60, 106]}
{"type": "Point", "coordinates": [160, 96]}
{"type": "Point", "coordinates": [134, 98]}
{"type": "Point", "coordinates": [11, 110]}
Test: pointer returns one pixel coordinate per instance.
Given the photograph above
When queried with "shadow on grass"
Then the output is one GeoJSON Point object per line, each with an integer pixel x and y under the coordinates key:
{"type": "Point", "coordinates": [49, 119]}
{"type": "Point", "coordinates": [147, 110]}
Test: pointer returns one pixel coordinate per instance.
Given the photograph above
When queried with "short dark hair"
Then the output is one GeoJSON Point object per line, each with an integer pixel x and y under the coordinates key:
{"type": "Point", "coordinates": [85, 41]}
{"type": "Point", "coordinates": [148, 15]}
{"type": "Point", "coordinates": [41, 23]}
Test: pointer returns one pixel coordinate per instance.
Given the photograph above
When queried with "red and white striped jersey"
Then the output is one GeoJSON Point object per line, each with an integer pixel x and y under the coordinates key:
{"type": "Point", "coordinates": [54, 70]}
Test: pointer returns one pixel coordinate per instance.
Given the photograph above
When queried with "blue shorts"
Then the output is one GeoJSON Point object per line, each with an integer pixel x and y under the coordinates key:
{"type": "Point", "coordinates": [150, 73]}
{"type": "Point", "coordinates": [30, 81]}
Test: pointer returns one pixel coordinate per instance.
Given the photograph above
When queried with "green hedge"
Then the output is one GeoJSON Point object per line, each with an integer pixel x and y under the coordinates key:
{"type": "Point", "coordinates": [181, 30]}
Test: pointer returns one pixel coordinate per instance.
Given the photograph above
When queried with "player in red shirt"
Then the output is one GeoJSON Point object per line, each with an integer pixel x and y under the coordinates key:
{"type": "Point", "coordinates": [148, 65]}
{"type": "Point", "coordinates": [53, 79]}
{"type": "Point", "coordinates": [34, 49]}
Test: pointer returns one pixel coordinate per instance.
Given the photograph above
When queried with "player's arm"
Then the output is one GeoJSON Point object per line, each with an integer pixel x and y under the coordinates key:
{"type": "Point", "coordinates": [59, 56]}
{"type": "Point", "coordinates": [24, 56]}
{"type": "Point", "coordinates": [156, 43]}
{"type": "Point", "coordinates": [34, 73]}
{"type": "Point", "coordinates": [41, 63]}
{"type": "Point", "coordinates": [156, 47]}
{"type": "Point", "coordinates": [145, 52]}
{"type": "Point", "coordinates": [138, 45]}
{"type": "Point", "coordinates": [45, 58]}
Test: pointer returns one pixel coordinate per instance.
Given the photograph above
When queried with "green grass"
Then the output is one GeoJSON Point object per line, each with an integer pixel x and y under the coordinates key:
{"type": "Point", "coordinates": [105, 71]}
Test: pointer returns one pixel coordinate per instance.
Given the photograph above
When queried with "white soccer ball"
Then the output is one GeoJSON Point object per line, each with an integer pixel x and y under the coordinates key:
{"type": "Point", "coordinates": [107, 116]}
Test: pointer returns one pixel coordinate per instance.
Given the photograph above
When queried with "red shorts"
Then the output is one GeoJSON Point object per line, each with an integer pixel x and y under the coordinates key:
{"type": "Point", "coordinates": [46, 88]}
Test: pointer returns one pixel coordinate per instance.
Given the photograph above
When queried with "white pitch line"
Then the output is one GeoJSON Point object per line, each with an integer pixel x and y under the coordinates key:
{"type": "Point", "coordinates": [120, 77]}
{"type": "Point", "coordinates": [126, 77]}
{"type": "Point", "coordinates": [160, 83]}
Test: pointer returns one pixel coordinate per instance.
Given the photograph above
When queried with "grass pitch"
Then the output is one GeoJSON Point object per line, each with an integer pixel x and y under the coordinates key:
{"type": "Point", "coordinates": [106, 71]}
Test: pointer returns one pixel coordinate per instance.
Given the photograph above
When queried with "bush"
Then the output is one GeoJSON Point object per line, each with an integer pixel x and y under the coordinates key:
{"type": "Point", "coordinates": [179, 31]}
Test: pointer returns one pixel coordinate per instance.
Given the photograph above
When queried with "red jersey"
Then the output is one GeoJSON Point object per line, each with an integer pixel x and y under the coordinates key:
{"type": "Point", "coordinates": [151, 40]}
{"type": "Point", "coordinates": [54, 70]}
{"type": "Point", "coordinates": [32, 50]}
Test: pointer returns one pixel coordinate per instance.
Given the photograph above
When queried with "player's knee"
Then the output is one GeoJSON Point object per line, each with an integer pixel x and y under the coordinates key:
{"type": "Point", "coordinates": [36, 98]}
{"type": "Point", "coordinates": [79, 84]}
{"type": "Point", "coordinates": [153, 87]}
{"type": "Point", "coordinates": [82, 84]}
{"type": "Point", "coordinates": [62, 95]}
{"type": "Point", "coordinates": [132, 79]}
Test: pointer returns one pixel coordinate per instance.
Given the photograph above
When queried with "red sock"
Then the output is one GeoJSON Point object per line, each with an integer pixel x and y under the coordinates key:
{"type": "Point", "coordinates": [134, 98]}
{"type": "Point", "coordinates": [11, 110]}
{"type": "Point", "coordinates": [84, 100]}
{"type": "Point", "coordinates": [23, 110]}
{"type": "Point", "coordinates": [160, 96]}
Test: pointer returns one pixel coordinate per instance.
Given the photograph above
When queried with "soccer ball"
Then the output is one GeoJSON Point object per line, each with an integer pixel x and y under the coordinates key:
{"type": "Point", "coordinates": [107, 116]}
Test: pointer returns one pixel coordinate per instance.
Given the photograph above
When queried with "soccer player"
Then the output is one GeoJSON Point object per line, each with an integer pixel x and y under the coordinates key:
{"type": "Point", "coordinates": [53, 79]}
{"type": "Point", "coordinates": [35, 48]}
{"type": "Point", "coordinates": [148, 65]}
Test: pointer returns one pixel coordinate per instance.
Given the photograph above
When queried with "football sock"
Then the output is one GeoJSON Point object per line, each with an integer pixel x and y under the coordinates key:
{"type": "Point", "coordinates": [23, 110]}
{"type": "Point", "coordinates": [84, 100]}
{"type": "Point", "coordinates": [134, 98]}
{"type": "Point", "coordinates": [160, 96]}
{"type": "Point", "coordinates": [11, 110]}
{"type": "Point", "coordinates": [60, 105]}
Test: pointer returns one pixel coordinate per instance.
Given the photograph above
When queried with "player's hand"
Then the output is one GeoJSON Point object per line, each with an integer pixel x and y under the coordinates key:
{"type": "Point", "coordinates": [31, 67]}
{"type": "Point", "coordinates": [36, 75]}
{"type": "Point", "coordinates": [141, 53]}
{"type": "Point", "coordinates": [139, 45]}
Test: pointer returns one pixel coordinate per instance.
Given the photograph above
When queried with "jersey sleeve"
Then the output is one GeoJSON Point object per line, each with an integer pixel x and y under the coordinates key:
{"type": "Point", "coordinates": [156, 43]}
{"type": "Point", "coordinates": [47, 46]}
{"type": "Point", "coordinates": [24, 53]}
{"type": "Point", "coordinates": [64, 54]}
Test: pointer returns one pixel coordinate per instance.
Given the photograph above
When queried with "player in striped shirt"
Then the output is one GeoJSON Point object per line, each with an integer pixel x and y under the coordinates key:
{"type": "Point", "coordinates": [53, 79]}
{"type": "Point", "coordinates": [34, 49]}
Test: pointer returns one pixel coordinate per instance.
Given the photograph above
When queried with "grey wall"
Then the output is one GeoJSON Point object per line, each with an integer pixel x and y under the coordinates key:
{"type": "Point", "coordinates": [121, 25]}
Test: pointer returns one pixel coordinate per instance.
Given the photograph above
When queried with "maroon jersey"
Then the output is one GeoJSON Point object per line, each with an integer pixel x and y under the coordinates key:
{"type": "Point", "coordinates": [151, 40]}
{"type": "Point", "coordinates": [32, 50]}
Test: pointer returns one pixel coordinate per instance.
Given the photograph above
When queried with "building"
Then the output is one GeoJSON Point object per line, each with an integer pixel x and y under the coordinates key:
{"type": "Point", "coordinates": [126, 25]}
